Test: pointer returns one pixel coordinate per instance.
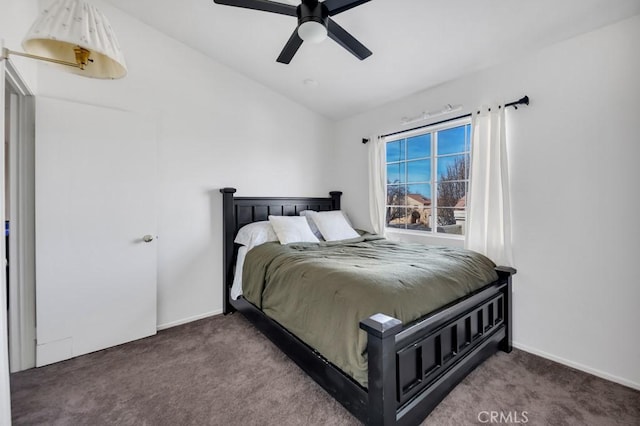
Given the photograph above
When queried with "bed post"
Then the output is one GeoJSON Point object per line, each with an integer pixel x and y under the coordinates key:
{"type": "Point", "coordinates": [229, 224]}
{"type": "Point", "coordinates": [335, 198]}
{"type": "Point", "coordinates": [505, 273]}
{"type": "Point", "coordinates": [381, 348]}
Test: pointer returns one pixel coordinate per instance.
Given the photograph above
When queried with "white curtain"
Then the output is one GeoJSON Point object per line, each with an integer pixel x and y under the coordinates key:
{"type": "Point", "coordinates": [488, 203]}
{"type": "Point", "coordinates": [377, 184]}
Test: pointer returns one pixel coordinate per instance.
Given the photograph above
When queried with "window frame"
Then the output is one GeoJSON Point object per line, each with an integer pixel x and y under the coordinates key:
{"type": "Point", "coordinates": [434, 131]}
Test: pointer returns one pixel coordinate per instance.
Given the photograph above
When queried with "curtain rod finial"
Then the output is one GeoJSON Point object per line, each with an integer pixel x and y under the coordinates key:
{"type": "Point", "coordinates": [365, 140]}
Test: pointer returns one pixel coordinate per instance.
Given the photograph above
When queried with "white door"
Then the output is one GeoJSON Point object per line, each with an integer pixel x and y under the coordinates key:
{"type": "Point", "coordinates": [96, 180]}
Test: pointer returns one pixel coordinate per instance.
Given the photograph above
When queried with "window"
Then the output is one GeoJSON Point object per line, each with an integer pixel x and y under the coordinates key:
{"type": "Point", "coordinates": [428, 179]}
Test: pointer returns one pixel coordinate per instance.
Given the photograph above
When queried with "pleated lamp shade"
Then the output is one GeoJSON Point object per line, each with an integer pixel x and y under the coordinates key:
{"type": "Point", "coordinates": [72, 24]}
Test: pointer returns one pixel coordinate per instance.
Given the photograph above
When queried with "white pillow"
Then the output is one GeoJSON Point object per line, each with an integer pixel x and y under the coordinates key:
{"type": "Point", "coordinates": [312, 224]}
{"type": "Point", "coordinates": [292, 229]}
{"type": "Point", "coordinates": [333, 225]}
{"type": "Point", "coordinates": [256, 233]}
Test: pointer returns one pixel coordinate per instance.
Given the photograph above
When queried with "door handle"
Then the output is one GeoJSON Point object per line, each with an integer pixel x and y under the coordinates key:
{"type": "Point", "coordinates": [147, 238]}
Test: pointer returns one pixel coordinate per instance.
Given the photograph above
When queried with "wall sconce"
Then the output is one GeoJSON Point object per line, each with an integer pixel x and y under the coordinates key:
{"type": "Point", "coordinates": [76, 35]}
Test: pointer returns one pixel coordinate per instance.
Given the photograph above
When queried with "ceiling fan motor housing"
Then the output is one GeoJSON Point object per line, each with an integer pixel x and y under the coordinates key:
{"type": "Point", "coordinates": [312, 10]}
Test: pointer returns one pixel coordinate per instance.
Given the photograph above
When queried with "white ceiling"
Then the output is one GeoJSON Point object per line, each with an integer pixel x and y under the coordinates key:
{"type": "Point", "coordinates": [416, 44]}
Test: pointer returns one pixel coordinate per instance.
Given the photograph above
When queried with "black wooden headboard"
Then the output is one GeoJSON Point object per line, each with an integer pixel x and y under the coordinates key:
{"type": "Point", "coordinates": [240, 211]}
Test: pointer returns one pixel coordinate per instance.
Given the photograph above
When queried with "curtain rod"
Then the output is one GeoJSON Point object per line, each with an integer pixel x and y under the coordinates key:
{"type": "Point", "coordinates": [522, 101]}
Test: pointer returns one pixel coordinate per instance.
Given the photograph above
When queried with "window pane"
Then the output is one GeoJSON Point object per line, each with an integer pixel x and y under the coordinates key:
{"type": "Point", "coordinates": [419, 171]}
{"type": "Point", "coordinates": [396, 173]}
{"type": "Point", "coordinates": [396, 217]}
{"type": "Point", "coordinates": [453, 167]}
{"type": "Point", "coordinates": [451, 221]}
{"type": "Point", "coordinates": [452, 141]}
{"type": "Point", "coordinates": [396, 195]}
{"type": "Point", "coordinates": [396, 150]}
{"type": "Point", "coordinates": [452, 194]}
{"type": "Point", "coordinates": [419, 146]}
{"type": "Point", "coordinates": [413, 185]}
{"type": "Point", "coordinates": [419, 218]}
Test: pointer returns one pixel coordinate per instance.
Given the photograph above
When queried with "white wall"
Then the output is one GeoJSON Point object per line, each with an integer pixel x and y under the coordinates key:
{"type": "Point", "coordinates": [574, 167]}
{"type": "Point", "coordinates": [16, 18]}
{"type": "Point", "coordinates": [215, 128]}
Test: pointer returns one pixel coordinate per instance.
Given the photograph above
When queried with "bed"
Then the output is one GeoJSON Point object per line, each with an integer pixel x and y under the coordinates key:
{"type": "Point", "coordinates": [411, 367]}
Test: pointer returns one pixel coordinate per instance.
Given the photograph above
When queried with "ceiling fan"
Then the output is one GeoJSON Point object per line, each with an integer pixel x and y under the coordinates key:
{"type": "Point", "coordinates": [314, 23]}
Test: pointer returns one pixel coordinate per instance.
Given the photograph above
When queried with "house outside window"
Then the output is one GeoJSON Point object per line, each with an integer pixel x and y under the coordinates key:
{"type": "Point", "coordinates": [428, 179]}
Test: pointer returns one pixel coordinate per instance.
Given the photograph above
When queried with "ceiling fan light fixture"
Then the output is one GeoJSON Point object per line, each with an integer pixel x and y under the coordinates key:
{"type": "Point", "coordinates": [312, 32]}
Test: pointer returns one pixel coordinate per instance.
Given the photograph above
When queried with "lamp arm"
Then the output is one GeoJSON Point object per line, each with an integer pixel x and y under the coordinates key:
{"type": "Point", "coordinates": [6, 52]}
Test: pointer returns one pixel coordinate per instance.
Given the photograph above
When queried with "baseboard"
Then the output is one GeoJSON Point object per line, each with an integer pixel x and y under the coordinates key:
{"type": "Point", "coordinates": [190, 319]}
{"type": "Point", "coordinates": [578, 366]}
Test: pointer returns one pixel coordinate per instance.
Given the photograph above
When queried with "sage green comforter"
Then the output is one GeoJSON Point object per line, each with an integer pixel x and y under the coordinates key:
{"type": "Point", "coordinates": [320, 292]}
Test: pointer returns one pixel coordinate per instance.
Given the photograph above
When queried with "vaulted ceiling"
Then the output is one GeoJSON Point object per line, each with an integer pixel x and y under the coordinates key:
{"type": "Point", "coordinates": [416, 44]}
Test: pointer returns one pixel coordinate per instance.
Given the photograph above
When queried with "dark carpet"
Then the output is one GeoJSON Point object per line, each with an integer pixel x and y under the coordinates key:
{"type": "Point", "coordinates": [221, 371]}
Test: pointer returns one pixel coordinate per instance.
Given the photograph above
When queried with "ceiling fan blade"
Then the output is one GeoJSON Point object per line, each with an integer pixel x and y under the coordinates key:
{"type": "Point", "coordinates": [346, 40]}
{"type": "Point", "coordinates": [264, 5]}
{"type": "Point", "coordinates": [290, 48]}
{"type": "Point", "coordinates": [338, 6]}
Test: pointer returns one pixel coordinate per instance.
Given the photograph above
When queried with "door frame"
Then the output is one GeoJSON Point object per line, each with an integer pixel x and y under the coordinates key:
{"type": "Point", "coordinates": [5, 398]}
{"type": "Point", "coordinates": [21, 193]}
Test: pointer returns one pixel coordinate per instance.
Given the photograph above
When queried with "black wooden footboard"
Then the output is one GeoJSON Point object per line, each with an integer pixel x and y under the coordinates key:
{"type": "Point", "coordinates": [411, 368]}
